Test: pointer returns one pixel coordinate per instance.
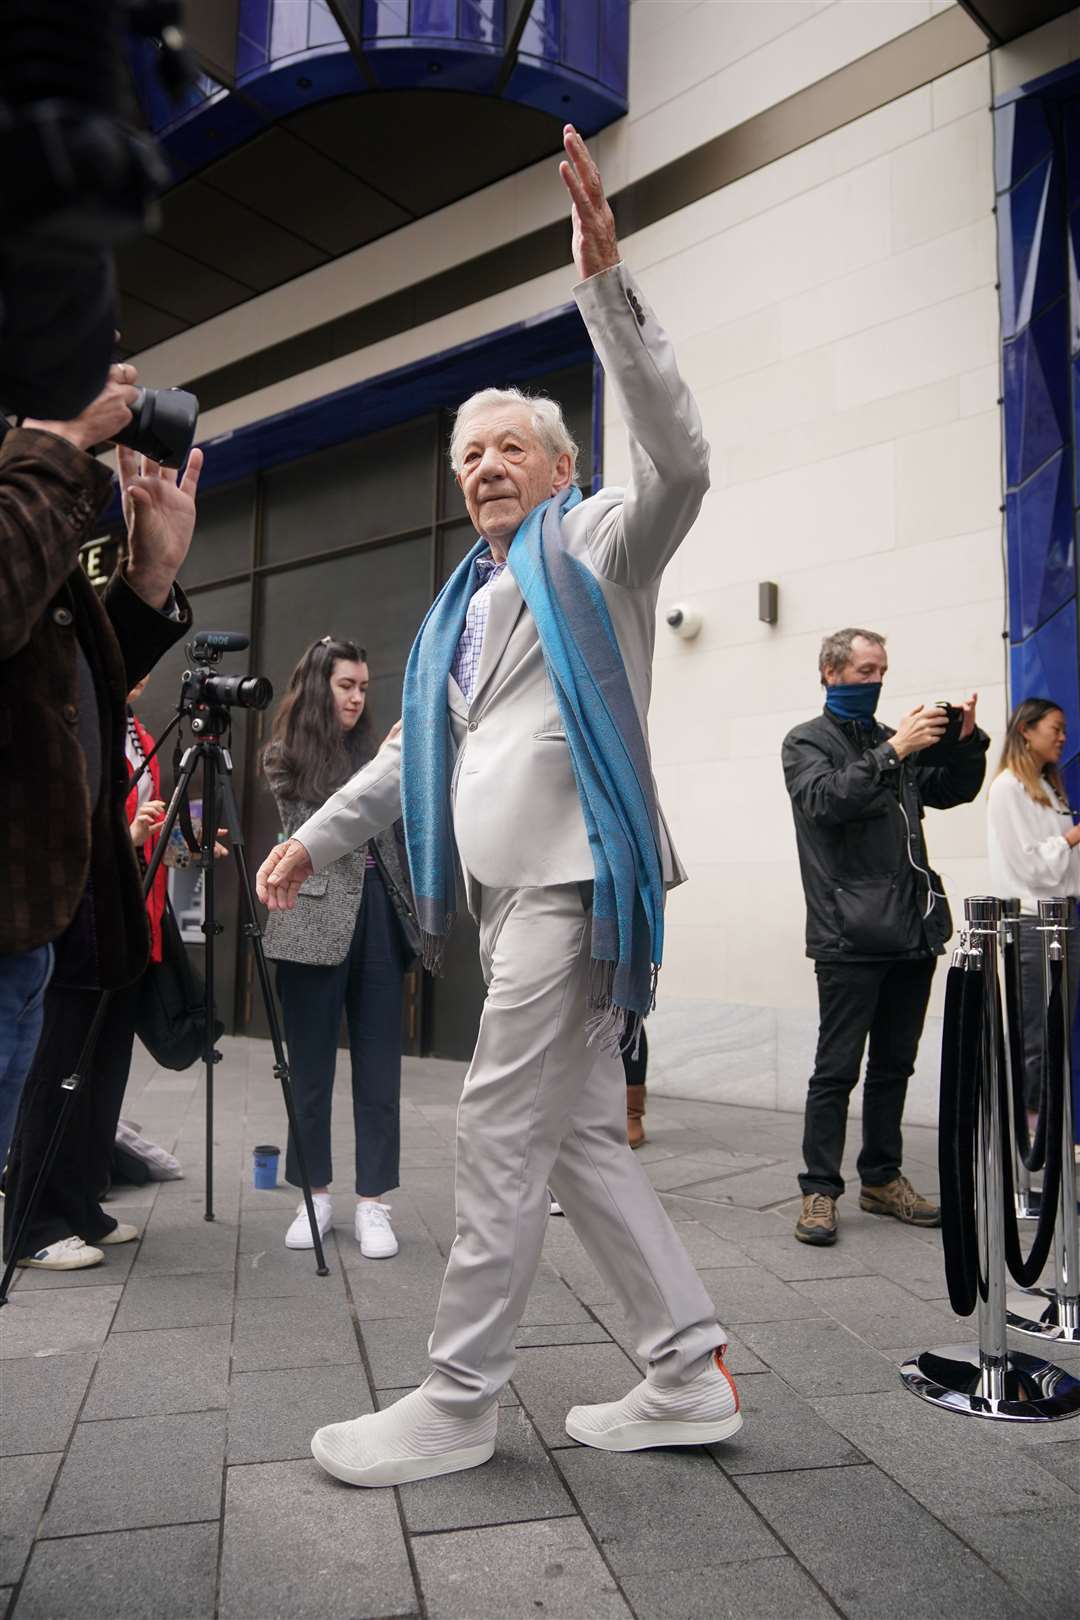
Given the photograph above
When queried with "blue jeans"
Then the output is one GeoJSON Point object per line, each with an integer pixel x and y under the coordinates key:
{"type": "Point", "coordinates": [23, 981]}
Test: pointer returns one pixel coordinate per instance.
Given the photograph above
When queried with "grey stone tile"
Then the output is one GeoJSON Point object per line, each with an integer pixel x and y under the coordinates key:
{"type": "Point", "coordinates": [273, 1415]}
{"type": "Point", "coordinates": [515, 1572]}
{"type": "Point", "coordinates": [161, 1470]}
{"type": "Point", "coordinates": [185, 1243]}
{"type": "Point", "coordinates": [175, 1302]}
{"type": "Point", "coordinates": [282, 1273]}
{"type": "Point", "coordinates": [761, 1589]}
{"type": "Point", "coordinates": [706, 1248]}
{"type": "Point", "coordinates": [1035, 1554]}
{"type": "Point", "coordinates": [56, 1322]}
{"type": "Point", "coordinates": [755, 1295]}
{"type": "Point", "coordinates": [1062, 1459]}
{"type": "Point", "coordinates": [27, 1483]}
{"type": "Point", "coordinates": [284, 1521]}
{"type": "Point", "coordinates": [687, 1169]}
{"type": "Point", "coordinates": [550, 1301]}
{"type": "Point", "coordinates": [753, 1189]}
{"type": "Point", "coordinates": [113, 1272]}
{"type": "Point", "coordinates": [729, 1221]}
{"type": "Point", "coordinates": [954, 1469]}
{"type": "Point", "coordinates": [292, 1333]}
{"type": "Point", "coordinates": [550, 1381]}
{"type": "Point", "coordinates": [163, 1574]}
{"type": "Point", "coordinates": [161, 1370]}
{"type": "Point", "coordinates": [780, 1431]}
{"type": "Point", "coordinates": [519, 1483]}
{"type": "Point", "coordinates": [563, 1250]}
{"type": "Point", "coordinates": [819, 1357]}
{"type": "Point", "coordinates": [884, 1557]}
{"type": "Point", "coordinates": [406, 1285]}
{"type": "Point", "coordinates": [739, 1359]}
{"type": "Point", "coordinates": [561, 1333]}
{"type": "Point", "coordinates": [881, 1312]}
{"type": "Point", "coordinates": [793, 1261]}
{"type": "Point", "coordinates": [397, 1352]}
{"type": "Point", "coordinates": [39, 1401]}
{"type": "Point", "coordinates": [663, 1510]}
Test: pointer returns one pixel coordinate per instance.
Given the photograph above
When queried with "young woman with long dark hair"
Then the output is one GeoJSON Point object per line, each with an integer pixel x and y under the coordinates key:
{"type": "Point", "coordinates": [1034, 849]}
{"type": "Point", "coordinates": [344, 948]}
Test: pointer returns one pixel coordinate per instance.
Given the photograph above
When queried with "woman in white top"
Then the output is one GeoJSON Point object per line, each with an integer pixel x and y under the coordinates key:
{"type": "Point", "coordinates": [1034, 850]}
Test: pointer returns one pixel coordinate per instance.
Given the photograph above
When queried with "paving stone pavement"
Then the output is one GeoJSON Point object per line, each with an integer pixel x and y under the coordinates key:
{"type": "Point", "coordinates": [155, 1413]}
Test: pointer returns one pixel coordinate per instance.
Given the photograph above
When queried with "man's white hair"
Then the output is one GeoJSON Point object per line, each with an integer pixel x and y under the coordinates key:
{"type": "Point", "coordinates": [545, 414]}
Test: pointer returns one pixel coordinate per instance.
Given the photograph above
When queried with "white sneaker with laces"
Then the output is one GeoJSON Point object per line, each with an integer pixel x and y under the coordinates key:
{"type": "Point", "coordinates": [412, 1439]}
{"type": "Point", "coordinates": [299, 1234]}
{"type": "Point", "coordinates": [694, 1414]}
{"type": "Point", "coordinates": [122, 1232]}
{"type": "Point", "coordinates": [374, 1233]}
{"type": "Point", "coordinates": [67, 1254]}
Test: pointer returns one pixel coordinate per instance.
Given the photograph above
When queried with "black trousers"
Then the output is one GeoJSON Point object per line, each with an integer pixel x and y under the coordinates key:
{"type": "Point", "coordinates": [885, 1002]}
{"type": "Point", "coordinates": [367, 986]}
{"type": "Point", "coordinates": [68, 1204]}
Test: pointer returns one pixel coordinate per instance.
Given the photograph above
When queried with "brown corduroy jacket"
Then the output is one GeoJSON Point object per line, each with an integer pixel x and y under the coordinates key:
{"type": "Point", "coordinates": [50, 845]}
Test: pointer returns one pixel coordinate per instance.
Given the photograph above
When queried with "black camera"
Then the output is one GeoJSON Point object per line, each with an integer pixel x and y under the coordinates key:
{"type": "Point", "coordinates": [162, 425]}
{"type": "Point", "coordinates": [206, 697]}
{"type": "Point", "coordinates": [941, 752]}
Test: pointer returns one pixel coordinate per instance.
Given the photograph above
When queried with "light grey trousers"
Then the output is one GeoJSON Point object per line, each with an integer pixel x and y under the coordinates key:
{"type": "Point", "coordinates": [540, 1108]}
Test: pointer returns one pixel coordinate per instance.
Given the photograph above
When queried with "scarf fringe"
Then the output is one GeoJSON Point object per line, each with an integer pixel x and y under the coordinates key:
{"type": "Point", "coordinates": [612, 1028]}
{"type": "Point", "coordinates": [433, 948]}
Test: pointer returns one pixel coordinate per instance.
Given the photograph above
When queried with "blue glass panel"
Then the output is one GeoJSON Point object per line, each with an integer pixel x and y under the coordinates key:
{"type": "Point", "coordinates": [323, 27]}
{"type": "Point", "coordinates": [1071, 772]}
{"type": "Point", "coordinates": [482, 22]}
{"type": "Point", "coordinates": [1023, 137]}
{"type": "Point", "coordinates": [434, 19]}
{"type": "Point", "coordinates": [1070, 120]}
{"type": "Point", "coordinates": [253, 24]}
{"type": "Point", "coordinates": [540, 36]}
{"type": "Point", "coordinates": [1045, 665]}
{"type": "Point", "coordinates": [615, 43]}
{"type": "Point", "coordinates": [581, 42]}
{"type": "Point", "coordinates": [1039, 529]}
{"type": "Point", "coordinates": [1036, 383]}
{"type": "Point", "coordinates": [1031, 249]}
{"type": "Point", "coordinates": [289, 28]}
{"type": "Point", "coordinates": [386, 19]}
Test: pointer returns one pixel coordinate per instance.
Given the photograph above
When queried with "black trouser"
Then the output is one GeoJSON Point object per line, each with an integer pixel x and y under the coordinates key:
{"type": "Point", "coordinates": [635, 1060]}
{"type": "Point", "coordinates": [883, 1000]}
{"type": "Point", "coordinates": [368, 987]}
{"type": "Point", "coordinates": [68, 1205]}
{"type": "Point", "coordinates": [1033, 978]}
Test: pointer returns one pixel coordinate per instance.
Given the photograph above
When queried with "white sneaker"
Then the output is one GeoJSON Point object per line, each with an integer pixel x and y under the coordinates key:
{"type": "Point", "coordinates": [68, 1254]}
{"type": "Point", "coordinates": [694, 1414]}
{"type": "Point", "coordinates": [299, 1234]}
{"type": "Point", "coordinates": [412, 1439]}
{"type": "Point", "coordinates": [121, 1233]}
{"type": "Point", "coordinates": [374, 1233]}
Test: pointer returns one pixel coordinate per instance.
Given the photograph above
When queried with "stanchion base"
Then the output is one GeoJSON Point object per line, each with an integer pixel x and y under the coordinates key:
{"type": "Point", "coordinates": [1035, 1391]}
{"type": "Point", "coordinates": [1027, 1208]}
{"type": "Point", "coordinates": [1047, 1325]}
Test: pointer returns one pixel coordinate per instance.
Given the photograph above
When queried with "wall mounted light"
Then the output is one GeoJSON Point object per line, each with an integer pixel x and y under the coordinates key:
{"type": "Point", "coordinates": [685, 621]}
{"type": "Point", "coordinates": [768, 601]}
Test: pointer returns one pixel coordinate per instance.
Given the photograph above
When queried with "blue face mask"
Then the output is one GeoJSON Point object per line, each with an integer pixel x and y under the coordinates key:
{"type": "Point", "coordinates": [855, 700]}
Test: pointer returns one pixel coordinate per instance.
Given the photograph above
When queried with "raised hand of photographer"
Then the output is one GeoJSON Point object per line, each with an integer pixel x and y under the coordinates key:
{"type": "Point", "coordinates": [968, 707]}
{"type": "Point", "coordinates": [159, 509]}
{"type": "Point", "coordinates": [278, 880]}
{"type": "Point", "coordinates": [595, 245]}
{"type": "Point", "coordinates": [923, 725]}
{"type": "Point", "coordinates": [104, 417]}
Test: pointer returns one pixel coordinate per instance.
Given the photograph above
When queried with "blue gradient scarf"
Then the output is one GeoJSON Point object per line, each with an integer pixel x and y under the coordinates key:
{"type": "Point", "coordinates": [607, 751]}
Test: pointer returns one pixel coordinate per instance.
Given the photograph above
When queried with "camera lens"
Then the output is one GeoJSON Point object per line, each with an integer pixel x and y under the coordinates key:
{"type": "Point", "coordinates": [238, 691]}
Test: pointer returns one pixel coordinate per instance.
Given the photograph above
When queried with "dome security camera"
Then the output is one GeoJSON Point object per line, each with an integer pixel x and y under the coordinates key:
{"type": "Point", "coordinates": [685, 621]}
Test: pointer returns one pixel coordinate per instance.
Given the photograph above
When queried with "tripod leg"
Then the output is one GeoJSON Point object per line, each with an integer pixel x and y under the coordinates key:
{"type": "Point", "coordinates": [281, 1065]}
{"type": "Point", "coordinates": [70, 1087]}
{"type": "Point", "coordinates": [210, 1053]}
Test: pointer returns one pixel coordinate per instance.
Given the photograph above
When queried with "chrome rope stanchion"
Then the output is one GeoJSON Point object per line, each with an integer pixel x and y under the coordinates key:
{"type": "Point", "coordinates": [1027, 1200]}
{"type": "Point", "coordinates": [1060, 1320]}
{"type": "Point", "coordinates": [989, 1380]}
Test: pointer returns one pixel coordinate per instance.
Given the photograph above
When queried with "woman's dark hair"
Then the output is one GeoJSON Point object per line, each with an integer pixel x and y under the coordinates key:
{"type": "Point", "coordinates": [1016, 753]}
{"type": "Point", "coordinates": [310, 754]}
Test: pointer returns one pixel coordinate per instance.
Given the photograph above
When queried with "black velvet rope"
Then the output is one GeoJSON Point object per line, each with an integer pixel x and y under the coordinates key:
{"type": "Point", "coordinates": [960, 1056]}
{"type": "Point", "coordinates": [1033, 1154]}
{"type": "Point", "coordinates": [1055, 1077]}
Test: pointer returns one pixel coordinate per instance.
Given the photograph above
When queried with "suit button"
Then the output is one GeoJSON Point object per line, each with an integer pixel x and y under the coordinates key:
{"type": "Point", "coordinates": [473, 724]}
{"type": "Point", "coordinates": [62, 615]}
{"type": "Point", "coordinates": [70, 713]}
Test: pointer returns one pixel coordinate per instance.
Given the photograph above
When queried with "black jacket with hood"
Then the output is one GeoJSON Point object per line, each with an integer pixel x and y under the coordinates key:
{"type": "Point", "coordinates": [858, 817]}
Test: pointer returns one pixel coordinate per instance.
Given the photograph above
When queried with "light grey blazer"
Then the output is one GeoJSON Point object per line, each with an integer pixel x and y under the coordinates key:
{"type": "Point", "coordinates": [319, 929]}
{"type": "Point", "coordinates": [517, 816]}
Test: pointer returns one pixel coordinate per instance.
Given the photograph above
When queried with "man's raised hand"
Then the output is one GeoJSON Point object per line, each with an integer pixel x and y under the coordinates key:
{"type": "Point", "coordinates": [595, 245]}
{"type": "Point", "coordinates": [278, 880]}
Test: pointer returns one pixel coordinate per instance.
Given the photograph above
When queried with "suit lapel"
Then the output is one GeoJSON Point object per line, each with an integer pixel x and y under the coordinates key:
{"type": "Point", "coordinates": [505, 608]}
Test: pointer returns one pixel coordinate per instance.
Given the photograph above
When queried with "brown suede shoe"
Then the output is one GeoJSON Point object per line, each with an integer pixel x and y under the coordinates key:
{"type": "Point", "coordinates": [817, 1219]}
{"type": "Point", "coordinates": [900, 1200]}
{"type": "Point", "coordinates": [635, 1113]}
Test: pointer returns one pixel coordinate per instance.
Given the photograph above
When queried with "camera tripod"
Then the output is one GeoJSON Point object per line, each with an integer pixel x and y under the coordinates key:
{"type": "Point", "coordinates": [219, 800]}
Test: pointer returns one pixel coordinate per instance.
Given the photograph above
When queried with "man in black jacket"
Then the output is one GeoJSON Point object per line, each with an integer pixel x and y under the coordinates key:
{"type": "Point", "coordinates": [876, 916]}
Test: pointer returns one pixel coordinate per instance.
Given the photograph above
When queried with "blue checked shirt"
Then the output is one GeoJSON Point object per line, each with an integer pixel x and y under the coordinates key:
{"type": "Point", "coordinates": [467, 658]}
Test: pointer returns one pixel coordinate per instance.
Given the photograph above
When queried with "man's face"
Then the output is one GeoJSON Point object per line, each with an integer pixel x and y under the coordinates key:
{"type": "Point", "coordinates": [505, 471]}
{"type": "Point", "coordinates": [868, 662]}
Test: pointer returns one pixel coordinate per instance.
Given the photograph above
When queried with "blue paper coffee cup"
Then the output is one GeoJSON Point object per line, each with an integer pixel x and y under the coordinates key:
{"type": "Point", "coordinates": [266, 1163]}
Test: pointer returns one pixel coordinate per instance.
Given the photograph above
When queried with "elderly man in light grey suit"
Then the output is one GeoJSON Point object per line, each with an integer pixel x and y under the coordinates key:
{"type": "Point", "coordinates": [544, 1099]}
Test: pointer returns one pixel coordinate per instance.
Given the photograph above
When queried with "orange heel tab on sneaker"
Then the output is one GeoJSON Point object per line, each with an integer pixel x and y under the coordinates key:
{"type": "Point", "coordinates": [718, 1357]}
